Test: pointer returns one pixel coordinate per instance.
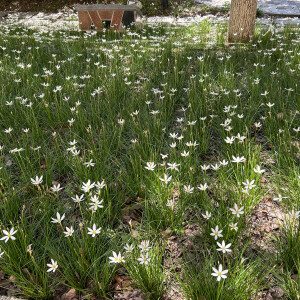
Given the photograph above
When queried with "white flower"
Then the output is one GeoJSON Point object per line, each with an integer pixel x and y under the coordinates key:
{"type": "Point", "coordinates": [258, 170]}
{"type": "Point", "coordinates": [237, 211]}
{"type": "Point", "coordinates": [249, 184]}
{"type": "Point", "coordinates": [191, 144]}
{"type": "Point", "coordinates": [154, 112]}
{"type": "Point", "coordinates": [9, 130]}
{"type": "Point", "coordinates": [173, 166]}
{"type": "Point", "coordinates": [165, 179]}
{"type": "Point", "coordinates": [164, 156]}
{"type": "Point", "coordinates": [279, 198]}
{"type": "Point", "coordinates": [171, 203]}
{"type": "Point", "coordinates": [100, 185]}
{"type": "Point", "coordinates": [1, 253]}
{"type": "Point", "coordinates": [185, 154]}
{"type": "Point", "coordinates": [188, 189]}
{"type": "Point", "coordinates": [144, 246]}
{"type": "Point", "coordinates": [116, 258]}
{"type": "Point", "coordinates": [58, 218]}
{"type": "Point", "coordinates": [94, 198]}
{"type": "Point", "coordinates": [265, 93]}
{"type": "Point", "coordinates": [215, 167]}
{"type": "Point", "coordinates": [205, 167]}
{"type": "Point", "coordinates": [96, 204]}
{"type": "Point", "coordinates": [295, 215]}
{"type": "Point", "coordinates": [144, 259]}
{"type": "Point", "coordinates": [93, 231]}
{"type": "Point", "coordinates": [71, 121]}
{"type": "Point", "coordinates": [257, 124]}
{"type": "Point", "coordinates": [219, 273]}
{"type": "Point", "coordinates": [223, 247]}
{"type": "Point", "coordinates": [53, 266]}
{"type": "Point", "coordinates": [224, 162]}
{"type": "Point", "coordinates": [37, 180]}
{"type": "Point", "coordinates": [73, 143]}
{"type": "Point", "coordinates": [229, 140]}
{"type": "Point", "coordinates": [207, 215]}
{"type": "Point", "coordinates": [128, 248]}
{"type": "Point", "coordinates": [202, 187]}
{"type": "Point", "coordinates": [69, 231]}
{"type": "Point", "coordinates": [233, 226]}
{"type": "Point", "coordinates": [78, 199]}
{"type": "Point", "coordinates": [269, 104]}
{"type": "Point", "coordinates": [240, 137]}
{"type": "Point", "coordinates": [238, 159]}
{"type": "Point", "coordinates": [56, 188]}
{"type": "Point", "coordinates": [216, 232]}
{"type": "Point", "coordinates": [87, 186]}
{"type": "Point", "coordinates": [150, 166]}
{"type": "Point", "coordinates": [9, 235]}
{"type": "Point", "coordinates": [89, 163]}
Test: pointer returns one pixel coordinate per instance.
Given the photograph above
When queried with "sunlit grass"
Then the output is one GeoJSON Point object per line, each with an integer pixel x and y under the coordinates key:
{"type": "Point", "coordinates": [110, 139]}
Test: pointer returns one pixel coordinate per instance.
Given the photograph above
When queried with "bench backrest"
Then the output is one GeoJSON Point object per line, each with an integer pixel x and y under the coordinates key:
{"type": "Point", "coordinates": [90, 7]}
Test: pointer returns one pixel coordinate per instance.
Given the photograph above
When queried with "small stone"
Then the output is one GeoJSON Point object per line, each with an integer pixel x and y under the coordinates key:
{"type": "Point", "coordinates": [295, 277]}
{"type": "Point", "coordinates": [70, 295]}
{"type": "Point", "coordinates": [277, 292]}
{"type": "Point", "coordinates": [9, 163]}
{"type": "Point", "coordinates": [269, 297]}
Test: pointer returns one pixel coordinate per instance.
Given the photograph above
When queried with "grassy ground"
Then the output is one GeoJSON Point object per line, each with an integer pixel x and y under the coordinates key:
{"type": "Point", "coordinates": [161, 145]}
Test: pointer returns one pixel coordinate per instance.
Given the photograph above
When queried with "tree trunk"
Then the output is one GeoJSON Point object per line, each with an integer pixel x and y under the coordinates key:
{"type": "Point", "coordinates": [165, 4]}
{"type": "Point", "coordinates": [242, 20]}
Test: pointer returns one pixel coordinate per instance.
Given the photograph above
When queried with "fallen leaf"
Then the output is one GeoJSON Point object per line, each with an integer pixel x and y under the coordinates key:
{"type": "Point", "coordinates": [70, 295]}
{"type": "Point", "coordinates": [167, 233]}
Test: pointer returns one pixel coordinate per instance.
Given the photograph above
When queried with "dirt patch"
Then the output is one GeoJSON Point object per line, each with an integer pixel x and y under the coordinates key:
{"type": "Point", "coordinates": [264, 223]}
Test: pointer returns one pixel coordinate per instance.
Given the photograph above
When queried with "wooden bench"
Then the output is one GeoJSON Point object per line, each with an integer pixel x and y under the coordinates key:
{"type": "Point", "coordinates": [113, 16]}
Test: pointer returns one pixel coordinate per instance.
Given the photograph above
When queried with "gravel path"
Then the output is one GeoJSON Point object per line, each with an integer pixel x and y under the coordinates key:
{"type": "Point", "coordinates": [274, 7]}
{"type": "Point", "coordinates": [63, 20]}
{"type": "Point", "coordinates": [69, 21]}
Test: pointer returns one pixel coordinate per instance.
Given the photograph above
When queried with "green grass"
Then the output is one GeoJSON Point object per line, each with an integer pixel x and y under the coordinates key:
{"type": "Point", "coordinates": [99, 108]}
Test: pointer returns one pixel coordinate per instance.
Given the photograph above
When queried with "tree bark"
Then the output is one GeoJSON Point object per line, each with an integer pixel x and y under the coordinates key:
{"type": "Point", "coordinates": [165, 4]}
{"type": "Point", "coordinates": [242, 20]}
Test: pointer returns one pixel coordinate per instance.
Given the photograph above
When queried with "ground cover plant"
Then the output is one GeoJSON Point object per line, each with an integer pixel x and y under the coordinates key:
{"type": "Point", "coordinates": [157, 163]}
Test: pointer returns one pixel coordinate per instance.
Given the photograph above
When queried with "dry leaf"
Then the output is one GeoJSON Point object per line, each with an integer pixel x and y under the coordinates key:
{"type": "Point", "coordinates": [70, 295]}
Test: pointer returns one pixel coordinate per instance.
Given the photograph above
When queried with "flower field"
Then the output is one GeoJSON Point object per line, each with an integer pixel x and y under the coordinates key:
{"type": "Point", "coordinates": [158, 163]}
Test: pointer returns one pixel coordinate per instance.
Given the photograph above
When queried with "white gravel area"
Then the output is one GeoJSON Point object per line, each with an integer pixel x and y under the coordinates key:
{"type": "Point", "coordinates": [277, 7]}
{"type": "Point", "coordinates": [69, 21]}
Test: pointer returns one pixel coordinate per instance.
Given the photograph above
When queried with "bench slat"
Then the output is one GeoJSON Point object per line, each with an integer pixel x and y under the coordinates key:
{"type": "Point", "coordinates": [108, 7]}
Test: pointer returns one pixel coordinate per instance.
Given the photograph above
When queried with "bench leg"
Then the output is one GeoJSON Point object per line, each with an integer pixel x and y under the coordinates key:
{"type": "Point", "coordinates": [116, 20]}
{"type": "Point", "coordinates": [84, 20]}
{"type": "Point", "coordinates": [95, 18]}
